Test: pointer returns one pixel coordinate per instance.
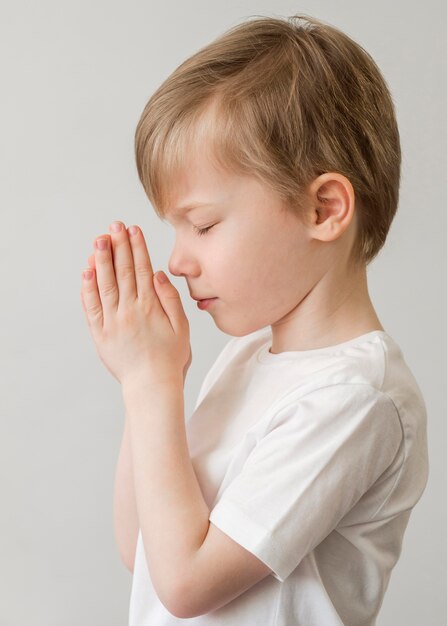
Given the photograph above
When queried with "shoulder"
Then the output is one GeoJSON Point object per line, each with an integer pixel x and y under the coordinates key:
{"type": "Point", "coordinates": [399, 381]}
{"type": "Point", "coordinates": [340, 402]}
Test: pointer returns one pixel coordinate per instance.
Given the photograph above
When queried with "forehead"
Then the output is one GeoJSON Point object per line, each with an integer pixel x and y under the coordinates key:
{"type": "Point", "coordinates": [205, 180]}
{"type": "Point", "coordinates": [198, 186]}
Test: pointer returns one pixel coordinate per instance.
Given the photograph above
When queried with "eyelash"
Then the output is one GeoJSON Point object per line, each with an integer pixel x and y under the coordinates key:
{"type": "Point", "coordinates": [202, 231]}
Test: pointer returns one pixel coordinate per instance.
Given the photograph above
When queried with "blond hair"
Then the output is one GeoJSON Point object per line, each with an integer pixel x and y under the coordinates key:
{"type": "Point", "coordinates": [291, 99]}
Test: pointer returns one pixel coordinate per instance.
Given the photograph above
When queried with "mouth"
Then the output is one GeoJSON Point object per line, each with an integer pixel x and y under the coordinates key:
{"type": "Point", "coordinates": [200, 299]}
{"type": "Point", "coordinates": [205, 302]}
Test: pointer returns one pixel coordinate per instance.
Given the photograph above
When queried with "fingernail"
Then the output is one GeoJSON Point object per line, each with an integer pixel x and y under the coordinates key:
{"type": "Point", "coordinates": [115, 227]}
{"type": "Point", "coordinates": [87, 274]}
{"type": "Point", "coordinates": [133, 230]}
{"type": "Point", "coordinates": [101, 244]}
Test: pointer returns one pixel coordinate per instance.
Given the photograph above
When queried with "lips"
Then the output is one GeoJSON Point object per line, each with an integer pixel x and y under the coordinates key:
{"type": "Point", "coordinates": [206, 302]}
{"type": "Point", "coordinates": [205, 298]}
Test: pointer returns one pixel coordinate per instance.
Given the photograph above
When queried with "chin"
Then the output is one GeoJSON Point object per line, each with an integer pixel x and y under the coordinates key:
{"type": "Point", "coordinates": [240, 328]}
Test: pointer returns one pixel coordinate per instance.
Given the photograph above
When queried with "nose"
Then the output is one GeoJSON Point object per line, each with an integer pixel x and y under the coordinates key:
{"type": "Point", "coordinates": [181, 263]}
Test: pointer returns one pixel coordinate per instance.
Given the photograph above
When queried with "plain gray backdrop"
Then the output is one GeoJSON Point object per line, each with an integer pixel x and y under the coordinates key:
{"type": "Point", "coordinates": [75, 77]}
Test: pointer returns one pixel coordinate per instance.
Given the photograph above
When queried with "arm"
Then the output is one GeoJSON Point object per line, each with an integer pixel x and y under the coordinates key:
{"type": "Point", "coordinates": [125, 515]}
{"type": "Point", "coordinates": [194, 567]}
{"type": "Point", "coordinates": [171, 508]}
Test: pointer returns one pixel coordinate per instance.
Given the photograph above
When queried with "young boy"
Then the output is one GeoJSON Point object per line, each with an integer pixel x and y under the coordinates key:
{"type": "Point", "coordinates": [274, 153]}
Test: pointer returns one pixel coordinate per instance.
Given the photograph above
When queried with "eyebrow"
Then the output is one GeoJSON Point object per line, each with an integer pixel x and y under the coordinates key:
{"type": "Point", "coordinates": [189, 207]}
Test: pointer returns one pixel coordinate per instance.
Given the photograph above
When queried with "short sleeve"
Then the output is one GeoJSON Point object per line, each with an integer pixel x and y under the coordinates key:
{"type": "Point", "coordinates": [320, 454]}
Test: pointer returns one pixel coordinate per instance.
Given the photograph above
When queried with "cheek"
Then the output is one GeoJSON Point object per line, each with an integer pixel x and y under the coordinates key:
{"type": "Point", "coordinates": [278, 264]}
{"type": "Point", "coordinates": [253, 269]}
{"type": "Point", "coordinates": [254, 262]}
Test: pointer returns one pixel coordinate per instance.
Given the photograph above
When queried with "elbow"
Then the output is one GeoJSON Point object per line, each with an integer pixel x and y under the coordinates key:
{"type": "Point", "coordinates": [181, 611]}
{"type": "Point", "coordinates": [182, 604]}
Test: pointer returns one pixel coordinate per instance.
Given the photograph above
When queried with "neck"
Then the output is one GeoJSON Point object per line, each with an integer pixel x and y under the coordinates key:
{"type": "Point", "coordinates": [336, 309]}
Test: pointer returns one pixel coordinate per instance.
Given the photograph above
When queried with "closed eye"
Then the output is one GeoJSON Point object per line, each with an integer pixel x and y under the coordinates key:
{"type": "Point", "coordinates": [203, 231]}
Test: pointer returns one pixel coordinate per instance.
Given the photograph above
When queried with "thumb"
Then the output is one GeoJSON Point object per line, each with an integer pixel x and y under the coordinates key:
{"type": "Point", "coordinates": [169, 299]}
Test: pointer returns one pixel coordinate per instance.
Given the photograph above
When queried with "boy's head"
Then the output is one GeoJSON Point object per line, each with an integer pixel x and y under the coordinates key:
{"type": "Point", "coordinates": [287, 122]}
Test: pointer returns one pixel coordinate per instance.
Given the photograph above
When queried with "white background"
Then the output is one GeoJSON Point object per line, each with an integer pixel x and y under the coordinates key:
{"type": "Point", "coordinates": [75, 77]}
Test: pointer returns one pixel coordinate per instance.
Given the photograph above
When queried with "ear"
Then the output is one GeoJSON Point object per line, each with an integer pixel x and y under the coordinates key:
{"type": "Point", "coordinates": [332, 202]}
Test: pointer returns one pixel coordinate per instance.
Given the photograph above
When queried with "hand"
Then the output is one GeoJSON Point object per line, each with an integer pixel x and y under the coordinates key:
{"type": "Point", "coordinates": [138, 325]}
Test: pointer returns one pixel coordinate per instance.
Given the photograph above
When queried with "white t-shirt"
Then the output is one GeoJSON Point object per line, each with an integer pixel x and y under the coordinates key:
{"type": "Point", "coordinates": [311, 460]}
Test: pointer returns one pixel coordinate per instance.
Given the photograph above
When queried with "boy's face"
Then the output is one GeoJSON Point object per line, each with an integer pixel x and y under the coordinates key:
{"type": "Point", "coordinates": [258, 261]}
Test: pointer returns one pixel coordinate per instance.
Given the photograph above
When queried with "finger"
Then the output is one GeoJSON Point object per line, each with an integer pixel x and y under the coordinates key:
{"type": "Point", "coordinates": [171, 302]}
{"type": "Point", "coordinates": [91, 261]}
{"type": "Point", "coordinates": [91, 302]}
{"type": "Point", "coordinates": [105, 275]}
{"type": "Point", "coordinates": [142, 263]}
{"type": "Point", "coordinates": [123, 263]}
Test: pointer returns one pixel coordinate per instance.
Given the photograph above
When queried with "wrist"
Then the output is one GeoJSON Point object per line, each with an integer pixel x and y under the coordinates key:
{"type": "Point", "coordinates": [155, 380]}
{"type": "Point", "coordinates": [152, 395]}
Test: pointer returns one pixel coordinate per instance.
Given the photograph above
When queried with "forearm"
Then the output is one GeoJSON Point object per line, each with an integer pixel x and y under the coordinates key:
{"type": "Point", "coordinates": [172, 512]}
{"type": "Point", "coordinates": [124, 506]}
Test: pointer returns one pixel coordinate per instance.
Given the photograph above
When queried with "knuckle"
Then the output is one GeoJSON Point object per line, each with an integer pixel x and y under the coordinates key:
{"type": "Point", "coordinates": [142, 269]}
{"type": "Point", "coordinates": [147, 304]}
{"type": "Point", "coordinates": [123, 272]}
{"type": "Point", "coordinates": [94, 311]}
{"type": "Point", "coordinates": [127, 317]}
{"type": "Point", "coordinates": [173, 296]}
{"type": "Point", "coordinates": [108, 289]}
